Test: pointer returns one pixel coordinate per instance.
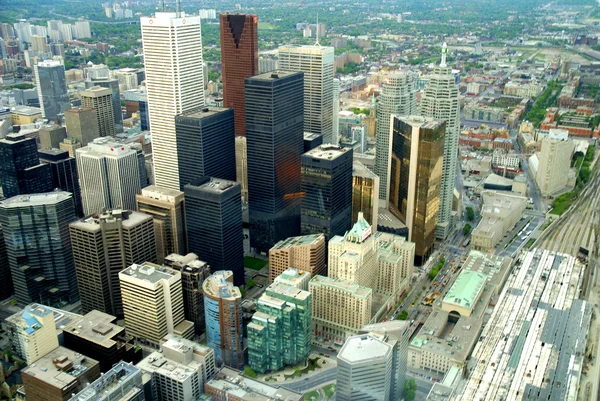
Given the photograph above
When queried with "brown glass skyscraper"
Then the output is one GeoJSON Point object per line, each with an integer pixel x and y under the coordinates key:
{"type": "Point", "coordinates": [239, 57]}
{"type": "Point", "coordinates": [415, 175]}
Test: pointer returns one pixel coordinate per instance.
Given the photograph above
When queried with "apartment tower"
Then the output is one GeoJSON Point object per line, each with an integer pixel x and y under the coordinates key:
{"type": "Point", "coordinates": [440, 99]}
{"type": "Point", "coordinates": [397, 97]}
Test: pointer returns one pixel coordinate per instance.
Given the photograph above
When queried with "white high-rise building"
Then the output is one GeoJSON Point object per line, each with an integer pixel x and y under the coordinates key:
{"type": "Point", "coordinates": [174, 79]}
{"type": "Point", "coordinates": [440, 100]}
{"type": "Point", "coordinates": [316, 62]}
{"type": "Point", "coordinates": [397, 97]}
{"type": "Point", "coordinates": [554, 162]}
{"type": "Point", "coordinates": [82, 29]}
{"type": "Point", "coordinates": [153, 303]}
{"type": "Point", "coordinates": [109, 174]}
{"type": "Point", "coordinates": [336, 112]}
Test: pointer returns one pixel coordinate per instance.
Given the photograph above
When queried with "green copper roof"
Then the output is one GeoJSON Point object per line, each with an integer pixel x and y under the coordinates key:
{"type": "Point", "coordinates": [465, 289]}
{"type": "Point", "coordinates": [360, 231]}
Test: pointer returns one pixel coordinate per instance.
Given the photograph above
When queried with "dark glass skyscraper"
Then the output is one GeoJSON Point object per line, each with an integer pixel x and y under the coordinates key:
{"type": "Point", "coordinates": [205, 144]}
{"type": "Point", "coordinates": [327, 188]}
{"type": "Point", "coordinates": [415, 173]}
{"type": "Point", "coordinates": [20, 168]}
{"type": "Point", "coordinates": [36, 233]}
{"type": "Point", "coordinates": [64, 174]}
{"type": "Point", "coordinates": [144, 120]}
{"type": "Point", "coordinates": [239, 58]}
{"type": "Point", "coordinates": [275, 141]}
{"type": "Point", "coordinates": [213, 211]}
{"type": "Point", "coordinates": [51, 86]}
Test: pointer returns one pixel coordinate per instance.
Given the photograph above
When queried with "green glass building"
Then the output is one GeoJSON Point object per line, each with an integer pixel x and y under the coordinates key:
{"type": "Point", "coordinates": [279, 333]}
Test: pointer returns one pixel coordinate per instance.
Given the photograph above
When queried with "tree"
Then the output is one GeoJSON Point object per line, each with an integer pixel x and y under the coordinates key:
{"type": "Point", "coordinates": [403, 315]}
{"type": "Point", "coordinates": [248, 371]}
{"type": "Point", "coordinates": [410, 389]}
{"type": "Point", "coordinates": [466, 229]}
{"type": "Point", "coordinates": [470, 213]}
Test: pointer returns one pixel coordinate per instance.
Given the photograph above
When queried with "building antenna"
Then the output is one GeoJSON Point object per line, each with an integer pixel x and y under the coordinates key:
{"type": "Point", "coordinates": [444, 52]}
{"type": "Point", "coordinates": [317, 42]}
{"type": "Point", "coordinates": [163, 5]}
{"type": "Point", "coordinates": [178, 9]}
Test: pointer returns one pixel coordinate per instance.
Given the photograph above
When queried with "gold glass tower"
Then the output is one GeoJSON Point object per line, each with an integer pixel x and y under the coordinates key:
{"type": "Point", "coordinates": [416, 161]}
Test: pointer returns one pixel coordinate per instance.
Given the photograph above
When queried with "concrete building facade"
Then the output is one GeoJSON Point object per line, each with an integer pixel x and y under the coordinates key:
{"type": "Point", "coordinates": [100, 99]}
{"type": "Point", "coordinates": [305, 253]}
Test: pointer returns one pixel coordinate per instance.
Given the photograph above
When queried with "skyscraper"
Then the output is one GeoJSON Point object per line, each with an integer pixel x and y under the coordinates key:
{"type": "Point", "coordinates": [36, 234]}
{"type": "Point", "coordinates": [174, 78]}
{"type": "Point", "coordinates": [440, 100]}
{"type": "Point", "coordinates": [205, 144]}
{"type": "Point", "coordinates": [327, 187]}
{"type": "Point", "coordinates": [109, 173]}
{"type": "Point", "coordinates": [365, 194]}
{"type": "Point", "coordinates": [6, 284]}
{"type": "Point", "coordinates": [153, 303]}
{"type": "Point", "coordinates": [193, 273]}
{"type": "Point", "coordinates": [223, 311]}
{"type": "Point", "coordinates": [554, 162]}
{"type": "Point", "coordinates": [64, 174]}
{"type": "Point", "coordinates": [415, 174]}
{"type": "Point", "coordinates": [336, 112]}
{"type": "Point", "coordinates": [52, 136]}
{"type": "Point", "coordinates": [167, 208]}
{"type": "Point", "coordinates": [213, 209]}
{"type": "Point", "coordinates": [82, 124]}
{"type": "Point", "coordinates": [100, 99]}
{"type": "Point", "coordinates": [279, 333]}
{"type": "Point", "coordinates": [113, 85]}
{"type": "Point", "coordinates": [51, 86]}
{"type": "Point", "coordinates": [20, 169]}
{"type": "Point", "coordinates": [102, 247]}
{"type": "Point", "coordinates": [306, 253]}
{"type": "Point", "coordinates": [317, 64]}
{"type": "Point", "coordinates": [275, 141]}
{"type": "Point", "coordinates": [364, 369]}
{"type": "Point", "coordinates": [397, 97]}
{"type": "Point", "coordinates": [241, 165]}
{"type": "Point", "coordinates": [239, 58]}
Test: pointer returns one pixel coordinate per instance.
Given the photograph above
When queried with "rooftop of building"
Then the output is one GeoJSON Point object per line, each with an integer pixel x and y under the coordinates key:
{"type": "Point", "coordinates": [364, 348]}
{"type": "Point", "coordinates": [120, 373]}
{"type": "Point", "coordinates": [274, 75]}
{"type": "Point", "coordinates": [327, 152]}
{"type": "Point", "coordinates": [77, 110]}
{"type": "Point", "coordinates": [61, 317]}
{"type": "Point", "coordinates": [466, 289]}
{"type": "Point", "coordinates": [538, 305]}
{"type": "Point", "coordinates": [293, 275]}
{"type": "Point", "coordinates": [360, 170]}
{"type": "Point", "coordinates": [198, 348]}
{"type": "Point", "coordinates": [97, 327]}
{"type": "Point", "coordinates": [420, 121]}
{"type": "Point", "coordinates": [287, 291]}
{"type": "Point", "coordinates": [360, 231]}
{"type": "Point", "coordinates": [309, 136]}
{"type": "Point", "coordinates": [385, 218]}
{"type": "Point", "coordinates": [495, 179]}
{"type": "Point", "coordinates": [106, 146]}
{"type": "Point", "coordinates": [29, 320]}
{"type": "Point", "coordinates": [160, 193]}
{"type": "Point", "coordinates": [128, 217]}
{"type": "Point", "coordinates": [306, 49]}
{"type": "Point", "coordinates": [219, 285]}
{"type": "Point", "coordinates": [247, 389]}
{"type": "Point", "coordinates": [49, 63]}
{"type": "Point", "coordinates": [497, 206]}
{"type": "Point", "coordinates": [158, 364]}
{"type": "Point", "coordinates": [48, 198]}
{"type": "Point", "coordinates": [214, 185]}
{"type": "Point", "coordinates": [298, 241]}
{"type": "Point", "coordinates": [52, 151]}
{"type": "Point", "coordinates": [60, 367]}
{"type": "Point", "coordinates": [96, 91]}
{"type": "Point", "coordinates": [189, 261]}
{"type": "Point", "coordinates": [351, 287]}
{"type": "Point", "coordinates": [204, 112]}
{"type": "Point", "coordinates": [149, 272]}
{"type": "Point", "coordinates": [439, 392]}
{"type": "Point", "coordinates": [25, 110]}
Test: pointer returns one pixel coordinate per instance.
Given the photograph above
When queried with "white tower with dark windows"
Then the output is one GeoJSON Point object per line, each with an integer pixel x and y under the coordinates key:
{"type": "Point", "coordinates": [440, 100]}
{"type": "Point", "coordinates": [397, 97]}
{"type": "Point", "coordinates": [172, 45]}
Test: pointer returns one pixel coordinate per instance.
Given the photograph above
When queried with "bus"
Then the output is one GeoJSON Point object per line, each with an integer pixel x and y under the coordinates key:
{"type": "Point", "coordinates": [466, 242]}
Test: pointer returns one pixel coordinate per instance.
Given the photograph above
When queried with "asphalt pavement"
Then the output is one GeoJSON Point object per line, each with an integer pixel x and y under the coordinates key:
{"type": "Point", "coordinates": [307, 383]}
